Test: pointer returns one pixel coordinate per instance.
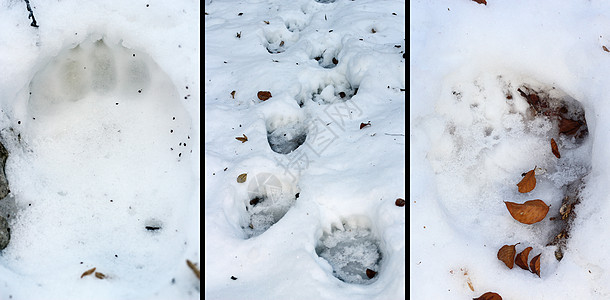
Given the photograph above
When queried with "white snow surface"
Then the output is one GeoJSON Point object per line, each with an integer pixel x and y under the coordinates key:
{"type": "Point", "coordinates": [470, 145]}
{"type": "Point", "coordinates": [317, 208]}
{"type": "Point", "coordinates": [100, 114]}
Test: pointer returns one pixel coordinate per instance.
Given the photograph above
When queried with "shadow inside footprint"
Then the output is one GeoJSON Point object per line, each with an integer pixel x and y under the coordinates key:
{"type": "Point", "coordinates": [286, 139]}
{"type": "Point", "coordinates": [353, 253]}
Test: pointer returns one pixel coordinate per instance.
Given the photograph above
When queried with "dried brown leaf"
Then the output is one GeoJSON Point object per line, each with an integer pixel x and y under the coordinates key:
{"type": "Point", "coordinates": [605, 49]}
{"type": "Point", "coordinates": [568, 127]}
{"type": "Point", "coordinates": [535, 265]}
{"type": "Point", "coordinates": [233, 94]}
{"type": "Point", "coordinates": [480, 1]}
{"type": "Point", "coordinates": [242, 139]}
{"type": "Point", "coordinates": [489, 296]}
{"type": "Point", "coordinates": [555, 149]}
{"type": "Point", "coordinates": [100, 275]}
{"type": "Point", "coordinates": [266, 22]}
{"type": "Point", "coordinates": [370, 273]}
{"type": "Point", "coordinates": [362, 125]}
{"type": "Point", "coordinates": [507, 255]}
{"type": "Point", "coordinates": [470, 284]}
{"type": "Point", "coordinates": [528, 183]}
{"type": "Point", "coordinates": [530, 212]}
{"type": "Point", "coordinates": [521, 259]}
{"type": "Point", "coordinates": [400, 202]}
{"type": "Point", "coordinates": [194, 268]}
{"type": "Point", "coordinates": [242, 178]}
{"type": "Point", "coordinates": [263, 95]}
{"type": "Point", "coordinates": [88, 272]}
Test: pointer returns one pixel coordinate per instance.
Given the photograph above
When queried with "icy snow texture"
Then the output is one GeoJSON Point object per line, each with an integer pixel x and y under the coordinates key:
{"type": "Point", "coordinates": [351, 252]}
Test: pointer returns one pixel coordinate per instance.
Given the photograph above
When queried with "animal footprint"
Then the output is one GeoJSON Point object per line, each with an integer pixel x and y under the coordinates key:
{"type": "Point", "coordinates": [105, 134]}
{"type": "Point", "coordinates": [353, 253]}
{"type": "Point", "coordinates": [269, 200]}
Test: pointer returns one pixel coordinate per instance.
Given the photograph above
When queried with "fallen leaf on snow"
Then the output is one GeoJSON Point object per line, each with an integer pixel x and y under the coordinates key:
{"type": "Point", "coordinates": [400, 202]}
{"type": "Point", "coordinates": [263, 95]}
{"type": "Point", "coordinates": [370, 273]}
{"type": "Point", "coordinates": [242, 178]}
{"type": "Point", "coordinates": [528, 183]}
{"type": "Point", "coordinates": [233, 94]}
{"type": "Point", "coordinates": [530, 212]}
{"type": "Point", "coordinates": [480, 1]}
{"type": "Point", "coordinates": [88, 272]}
{"type": "Point", "coordinates": [362, 125]}
{"type": "Point", "coordinates": [507, 255]}
{"type": "Point", "coordinates": [470, 284]}
{"type": "Point", "coordinates": [242, 139]}
{"type": "Point", "coordinates": [568, 127]}
{"type": "Point", "coordinates": [489, 296]}
{"type": "Point", "coordinates": [521, 259]}
{"type": "Point", "coordinates": [535, 265]}
{"type": "Point", "coordinates": [605, 49]}
{"type": "Point", "coordinates": [100, 275]}
{"type": "Point", "coordinates": [554, 148]}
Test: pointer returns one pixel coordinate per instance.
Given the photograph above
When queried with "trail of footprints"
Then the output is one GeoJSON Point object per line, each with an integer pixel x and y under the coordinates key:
{"type": "Point", "coordinates": [354, 250]}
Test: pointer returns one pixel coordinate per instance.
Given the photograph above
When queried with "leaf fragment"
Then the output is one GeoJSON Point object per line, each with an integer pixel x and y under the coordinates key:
{"type": "Point", "coordinates": [480, 1]}
{"type": "Point", "coordinates": [507, 255]}
{"type": "Point", "coordinates": [555, 149]}
{"type": "Point", "coordinates": [400, 202]}
{"type": "Point", "coordinates": [370, 273]}
{"type": "Point", "coordinates": [521, 259]}
{"type": "Point", "coordinates": [530, 212]}
{"type": "Point", "coordinates": [362, 125]}
{"type": "Point", "coordinates": [266, 22]}
{"type": "Point", "coordinates": [489, 296]}
{"type": "Point", "coordinates": [535, 265]}
{"type": "Point", "coordinates": [568, 127]}
{"type": "Point", "coordinates": [263, 95]}
{"type": "Point", "coordinates": [242, 178]}
{"type": "Point", "coordinates": [233, 94]}
{"type": "Point", "coordinates": [605, 49]}
{"type": "Point", "coordinates": [194, 268]}
{"type": "Point", "coordinates": [470, 284]}
{"type": "Point", "coordinates": [100, 275]}
{"type": "Point", "coordinates": [528, 183]}
{"type": "Point", "coordinates": [88, 272]}
{"type": "Point", "coordinates": [242, 139]}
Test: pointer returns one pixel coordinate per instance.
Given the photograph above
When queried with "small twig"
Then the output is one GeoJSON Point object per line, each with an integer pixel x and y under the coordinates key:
{"type": "Point", "coordinates": [31, 16]}
{"type": "Point", "coordinates": [394, 134]}
{"type": "Point", "coordinates": [193, 267]}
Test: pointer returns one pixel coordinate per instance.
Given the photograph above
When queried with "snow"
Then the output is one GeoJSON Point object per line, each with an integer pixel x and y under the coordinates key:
{"type": "Point", "coordinates": [470, 144]}
{"type": "Point", "coordinates": [318, 206]}
{"type": "Point", "coordinates": [100, 114]}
